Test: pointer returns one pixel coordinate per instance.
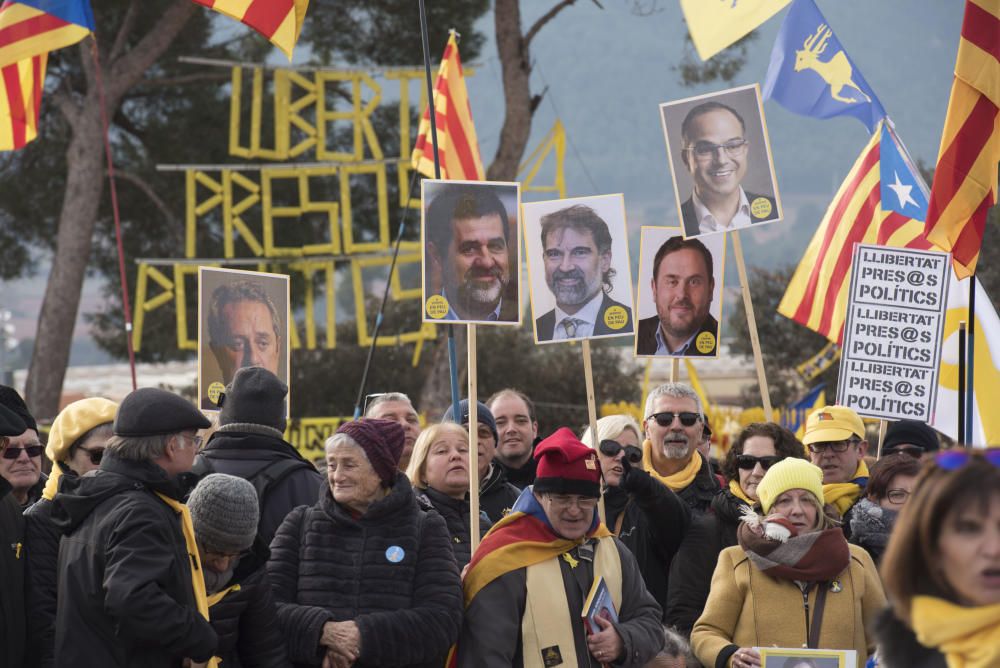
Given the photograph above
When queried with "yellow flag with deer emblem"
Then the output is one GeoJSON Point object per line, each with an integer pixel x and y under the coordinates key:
{"type": "Point", "coordinates": [715, 24]}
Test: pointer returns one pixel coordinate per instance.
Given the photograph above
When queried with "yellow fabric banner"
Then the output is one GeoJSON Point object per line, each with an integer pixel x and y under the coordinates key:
{"type": "Point", "coordinates": [714, 25]}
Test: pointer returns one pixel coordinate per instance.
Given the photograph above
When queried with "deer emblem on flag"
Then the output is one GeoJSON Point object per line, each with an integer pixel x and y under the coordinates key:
{"type": "Point", "coordinates": [836, 72]}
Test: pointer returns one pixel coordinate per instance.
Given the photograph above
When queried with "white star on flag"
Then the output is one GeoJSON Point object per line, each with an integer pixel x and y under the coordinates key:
{"type": "Point", "coordinates": [902, 192]}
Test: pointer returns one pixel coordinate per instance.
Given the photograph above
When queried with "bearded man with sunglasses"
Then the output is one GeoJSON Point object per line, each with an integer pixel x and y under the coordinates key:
{"type": "Point", "coordinates": [21, 463]}
{"type": "Point", "coordinates": [131, 591]}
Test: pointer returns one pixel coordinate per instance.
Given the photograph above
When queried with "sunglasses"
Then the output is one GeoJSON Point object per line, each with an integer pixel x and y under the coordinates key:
{"type": "Point", "coordinates": [95, 455]}
{"type": "Point", "coordinates": [666, 418]}
{"type": "Point", "coordinates": [13, 452]}
{"type": "Point", "coordinates": [914, 451]}
{"type": "Point", "coordinates": [610, 448]}
{"type": "Point", "coordinates": [952, 460]}
{"type": "Point", "coordinates": [749, 462]}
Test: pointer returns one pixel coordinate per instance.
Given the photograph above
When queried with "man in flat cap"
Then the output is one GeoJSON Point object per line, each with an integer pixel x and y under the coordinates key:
{"type": "Point", "coordinates": [131, 591]}
{"type": "Point", "coordinates": [12, 628]}
{"type": "Point", "coordinates": [528, 581]}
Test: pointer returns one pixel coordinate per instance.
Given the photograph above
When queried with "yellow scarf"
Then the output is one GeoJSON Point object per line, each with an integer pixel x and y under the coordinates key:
{"type": "Point", "coordinates": [968, 637]}
{"type": "Point", "coordinates": [197, 580]}
{"type": "Point", "coordinates": [52, 485]}
{"type": "Point", "coordinates": [677, 481]}
{"type": "Point", "coordinates": [843, 494]}
{"type": "Point", "coordinates": [734, 487]}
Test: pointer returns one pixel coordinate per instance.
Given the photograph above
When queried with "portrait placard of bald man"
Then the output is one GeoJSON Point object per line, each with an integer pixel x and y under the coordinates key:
{"type": "Point", "coordinates": [720, 161]}
{"type": "Point", "coordinates": [471, 252]}
{"type": "Point", "coordinates": [578, 265]}
{"type": "Point", "coordinates": [242, 321]}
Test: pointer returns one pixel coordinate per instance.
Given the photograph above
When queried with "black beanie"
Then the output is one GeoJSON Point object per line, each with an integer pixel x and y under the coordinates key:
{"type": "Point", "coordinates": [911, 432]}
{"type": "Point", "coordinates": [10, 423]}
{"type": "Point", "coordinates": [256, 396]}
{"type": "Point", "coordinates": [12, 400]}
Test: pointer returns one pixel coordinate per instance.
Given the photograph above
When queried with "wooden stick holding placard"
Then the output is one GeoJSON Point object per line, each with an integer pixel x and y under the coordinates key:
{"type": "Point", "coordinates": [882, 424]}
{"type": "Point", "coordinates": [473, 443]}
{"type": "Point", "coordinates": [758, 359]}
{"type": "Point", "coordinates": [675, 369]}
{"type": "Point", "coordinates": [588, 377]}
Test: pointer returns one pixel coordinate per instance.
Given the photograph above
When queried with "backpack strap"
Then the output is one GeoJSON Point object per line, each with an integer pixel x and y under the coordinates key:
{"type": "Point", "coordinates": [273, 473]}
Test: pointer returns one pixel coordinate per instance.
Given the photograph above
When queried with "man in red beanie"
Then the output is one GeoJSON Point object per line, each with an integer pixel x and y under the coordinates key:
{"type": "Point", "coordinates": [527, 583]}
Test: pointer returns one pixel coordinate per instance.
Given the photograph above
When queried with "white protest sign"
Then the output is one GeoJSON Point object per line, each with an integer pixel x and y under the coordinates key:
{"type": "Point", "coordinates": [892, 334]}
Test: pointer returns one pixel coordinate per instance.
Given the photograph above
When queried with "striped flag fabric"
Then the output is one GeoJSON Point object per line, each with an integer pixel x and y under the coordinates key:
{"type": "Point", "coordinates": [965, 180]}
{"type": "Point", "coordinates": [816, 296]}
{"type": "Point", "coordinates": [280, 21]}
{"type": "Point", "coordinates": [458, 147]}
{"type": "Point", "coordinates": [20, 101]}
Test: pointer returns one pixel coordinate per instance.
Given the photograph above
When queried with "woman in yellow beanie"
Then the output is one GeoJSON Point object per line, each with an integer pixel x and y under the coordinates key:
{"type": "Point", "coordinates": [75, 446]}
{"type": "Point", "coordinates": [942, 567]}
{"type": "Point", "coordinates": [792, 581]}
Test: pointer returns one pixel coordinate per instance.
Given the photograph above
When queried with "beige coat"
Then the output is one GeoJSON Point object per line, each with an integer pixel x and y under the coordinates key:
{"type": "Point", "coordinates": [748, 608]}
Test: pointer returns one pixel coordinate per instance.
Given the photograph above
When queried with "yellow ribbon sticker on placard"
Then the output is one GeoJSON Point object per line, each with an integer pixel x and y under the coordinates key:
{"type": "Point", "coordinates": [437, 307]}
{"type": "Point", "coordinates": [705, 342]}
{"type": "Point", "coordinates": [215, 390]}
{"type": "Point", "coordinates": [615, 317]}
{"type": "Point", "coordinates": [760, 207]}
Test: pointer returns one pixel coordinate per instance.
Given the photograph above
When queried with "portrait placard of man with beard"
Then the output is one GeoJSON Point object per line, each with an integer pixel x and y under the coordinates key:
{"type": "Point", "coordinates": [683, 301]}
{"type": "Point", "coordinates": [585, 268]}
{"type": "Point", "coordinates": [471, 249]}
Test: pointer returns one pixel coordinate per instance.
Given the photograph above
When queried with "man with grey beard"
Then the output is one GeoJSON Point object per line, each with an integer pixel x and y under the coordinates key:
{"type": "Point", "coordinates": [467, 242]}
{"type": "Point", "coordinates": [576, 252]}
{"type": "Point", "coordinates": [674, 426]}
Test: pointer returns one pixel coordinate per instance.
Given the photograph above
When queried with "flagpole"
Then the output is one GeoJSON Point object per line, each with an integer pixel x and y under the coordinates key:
{"type": "Point", "coordinates": [970, 367]}
{"type": "Point", "coordinates": [432, 114]}
{"type": "Point", "coordinates": [961, 383]}
{"type": "Point", "coordinates": [99, 80]}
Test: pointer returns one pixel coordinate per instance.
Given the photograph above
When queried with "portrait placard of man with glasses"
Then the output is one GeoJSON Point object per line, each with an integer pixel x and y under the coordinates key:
{"type": "Point", "coordinates": [718, 150]}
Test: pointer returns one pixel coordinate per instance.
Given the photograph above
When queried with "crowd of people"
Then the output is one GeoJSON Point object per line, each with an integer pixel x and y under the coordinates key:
{"type": "Point", "coordinates": [159, 538]}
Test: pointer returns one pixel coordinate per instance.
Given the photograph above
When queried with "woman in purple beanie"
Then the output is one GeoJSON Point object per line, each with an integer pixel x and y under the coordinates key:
{"type": "Point", "coordinates": [365, 577]}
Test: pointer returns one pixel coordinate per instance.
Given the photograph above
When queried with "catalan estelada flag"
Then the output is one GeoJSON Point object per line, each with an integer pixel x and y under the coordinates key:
{"type": "Point", "coordinates": [817, 294]}
{"type": "Point", "coordinates": [458, 147]}
{"type": "Point", "coordinates": [965, 180]}
{"type": "Point", "coordinates": [29, 29]}
{"type": "Point", "coordinates": [715, 25]}
{"type": "Point", "coordinates": [280, 21]}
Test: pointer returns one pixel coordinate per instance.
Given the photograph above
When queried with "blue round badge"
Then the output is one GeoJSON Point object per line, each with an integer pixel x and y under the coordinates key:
{"type": "Point", "coordinates": [395, 554]}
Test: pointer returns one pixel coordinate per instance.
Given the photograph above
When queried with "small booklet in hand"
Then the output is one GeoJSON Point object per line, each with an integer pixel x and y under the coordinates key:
{"type": "Point", "coordinates": [598, 604]}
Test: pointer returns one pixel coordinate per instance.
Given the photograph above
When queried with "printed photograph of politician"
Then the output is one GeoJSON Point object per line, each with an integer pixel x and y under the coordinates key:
{"type": "Point", "coordinates": [680, 293]}
{"type": "Point", "coordinates": [578, 268]}
{"type": "Point", "coordinates": [774, 657]}
{"type": "Point", "coordinates": [720, 161]}
{"type": "Point", "coordinates": [471, 251]}
{"type": "Point", "coordinates": [242, 321]}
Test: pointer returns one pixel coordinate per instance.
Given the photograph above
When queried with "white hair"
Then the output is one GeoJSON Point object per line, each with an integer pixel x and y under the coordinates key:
{"type": "Point", "coordinates": [383, 398]}
{"type": "Point", "coordinates": [338, 439]}
{"type": "Point", "coordinates": [676, 390]}
{"type": "Point", "coordinates": [610, 427]}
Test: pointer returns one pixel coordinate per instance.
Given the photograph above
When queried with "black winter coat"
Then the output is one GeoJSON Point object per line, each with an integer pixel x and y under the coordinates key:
{"type": "Point", "coordinates": [699, 494]}
{"type": "Point", "coordinates": [692, 568]}
{"type": "Point", "coordinates": [524, 476]}
{"type": "Point", "coordinates": [392, 571]}
{"type": "Point", "coordinates": [496, 495]}
{"type": "Point", "coordinates": [898, 647]}
{"type": "Point", "coordinates": [12, 628]}
{"type": "Point", "coordinates": [245, 453]}
{"type": "Point", "coordinates": [456, 515]}
{"type": "Point", "coordinates": [125, 592]}
{"type": "Point", "coordinates": [654, 521]}
{"type": "Point", "coordinates": [244, 618]}
{"type": "Point", "coordinates": [41, 539]}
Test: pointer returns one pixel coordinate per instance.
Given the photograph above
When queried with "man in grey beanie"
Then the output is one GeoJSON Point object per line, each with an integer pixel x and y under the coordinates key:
{"type": "Point", "coordinates": [250, 444]}
{"type": "Point", "coordinates": [224, 513]}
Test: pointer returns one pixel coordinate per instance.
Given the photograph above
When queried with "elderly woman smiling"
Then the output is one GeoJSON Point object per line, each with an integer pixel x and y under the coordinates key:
{"type": "Point", "coordinates": [366, 577]}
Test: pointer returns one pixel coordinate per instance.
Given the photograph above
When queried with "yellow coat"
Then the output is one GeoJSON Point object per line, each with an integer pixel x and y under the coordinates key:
{"type": "Point", "coordinates": [748, 608]}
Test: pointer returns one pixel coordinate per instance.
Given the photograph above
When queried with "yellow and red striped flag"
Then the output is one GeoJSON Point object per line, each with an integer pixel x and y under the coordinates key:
{"type": "Point", "coordinates": [817, 294]}
{"type": "Point", "coordinates": [20, 99]}
{"type": "Point", "coordinates": [965, 180]}
{"type": "Point", "coordinates": [458, 147]}
{"type": "Point", "coordinates": [278, 20]}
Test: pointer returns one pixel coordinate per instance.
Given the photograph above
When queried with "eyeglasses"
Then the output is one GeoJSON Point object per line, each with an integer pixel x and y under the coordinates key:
{"type": "Point", "coordinates": [836, 446]}
{"type": "Point", "coordinates": [952, 460]}
{"type": "Point", "coordinates": [95, 455]}
{"type": "Point", "coordinates": [897, 496]}
{"type": "Point", "coordinates": [666, 418]}
{"type": "Point", "coordinates": [704, 150]}
{"type": "Point", "coordinates": [563, 502]}
{"type": "Point", "coordinates": [14, 451]}
{"type": "Point", "coordinates": [610, 448]}
{"type": "Point", "coordinates": [914, 451]}
{"type": "Point", "coordinates": [196, 439]}
{"type": "Point", "coordinates": [749, 462]}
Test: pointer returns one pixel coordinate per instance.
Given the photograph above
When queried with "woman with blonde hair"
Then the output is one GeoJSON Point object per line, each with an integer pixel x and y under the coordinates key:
{"type": "Point", "coordinates": [792, 581]}
{"type": "Point", "coordinates": [641, 511]}
{"type": "Point", "coordinates": [942, 567]}
{"type": "Point", "coordinates": [439, 473]}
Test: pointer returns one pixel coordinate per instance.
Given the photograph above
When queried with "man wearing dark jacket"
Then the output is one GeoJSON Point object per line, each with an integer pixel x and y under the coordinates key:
{"type": "Point", "coordinates": [130, 585]}
{"type": "Point", "coordinates": [249, 444]}
{"type": "Point", "coordinates": [11, 562]}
